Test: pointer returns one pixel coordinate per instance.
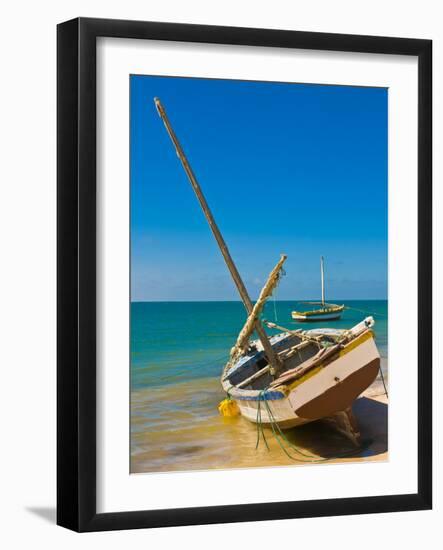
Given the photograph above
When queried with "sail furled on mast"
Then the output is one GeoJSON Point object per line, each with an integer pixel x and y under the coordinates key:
{"type": "Point", "coordinates": [248, 328]}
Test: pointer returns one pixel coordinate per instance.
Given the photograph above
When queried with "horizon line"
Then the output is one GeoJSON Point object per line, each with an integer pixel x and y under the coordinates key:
{"type": "Point", "coordinates": [240, 301]}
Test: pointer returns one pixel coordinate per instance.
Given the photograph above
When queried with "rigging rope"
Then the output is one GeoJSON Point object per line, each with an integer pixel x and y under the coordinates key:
{"type": "Point", "coordinates": [366, 312]}
{"type": "Point", "coordinates": [274, 294]}
{"type": "Point", "coordinates": [275, 308]}
{"type": "Point", "coordinates": [383, 380]}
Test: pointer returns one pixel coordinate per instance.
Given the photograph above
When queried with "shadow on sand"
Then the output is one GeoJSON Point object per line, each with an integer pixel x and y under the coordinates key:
{"type": "Point", "coordinates": [320, 438]}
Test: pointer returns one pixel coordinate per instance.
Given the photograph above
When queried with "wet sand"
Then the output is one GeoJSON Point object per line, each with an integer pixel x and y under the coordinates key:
{"type": "Point", "coordinates": [178, 428]}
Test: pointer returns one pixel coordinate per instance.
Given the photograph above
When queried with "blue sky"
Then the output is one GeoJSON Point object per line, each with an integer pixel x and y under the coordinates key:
{"type": "Point", "coordinates": [293, 168]}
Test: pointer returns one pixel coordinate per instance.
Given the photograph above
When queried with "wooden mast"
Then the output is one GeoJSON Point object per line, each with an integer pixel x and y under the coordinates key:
{"type": "Point", "coordinates": [322, 281]}
{"type": "Point", "coordinates": [271, 356]}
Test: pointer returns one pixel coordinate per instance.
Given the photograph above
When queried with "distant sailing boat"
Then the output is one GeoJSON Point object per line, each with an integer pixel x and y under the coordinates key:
{"type": "Point", "coordinates": [327, 312]}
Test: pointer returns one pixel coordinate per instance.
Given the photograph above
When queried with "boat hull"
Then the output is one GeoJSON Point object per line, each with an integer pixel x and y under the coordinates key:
{"type": "Point", "coordinates": [317, 317]}
{"type": "Point", "coordinates": [324, 392]}
{"type": "Point", "coordinates": [329, 312]}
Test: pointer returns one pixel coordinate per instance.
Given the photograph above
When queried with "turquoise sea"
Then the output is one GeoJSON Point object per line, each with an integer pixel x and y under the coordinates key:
{"type": "Point", "coordinates": [178, 350]}
{"type": "Point", "coordinates": [174, 342]}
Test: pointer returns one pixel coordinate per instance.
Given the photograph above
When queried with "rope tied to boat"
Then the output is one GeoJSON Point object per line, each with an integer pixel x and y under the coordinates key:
{"type": "Point", "coordinates": [282, 439]}
{"type": "Point", "coordinates": [366, 312]}
{"type": "Point", "coordinates": [383, 381]}
{"type": "Point", "coordinates": [277, 433]}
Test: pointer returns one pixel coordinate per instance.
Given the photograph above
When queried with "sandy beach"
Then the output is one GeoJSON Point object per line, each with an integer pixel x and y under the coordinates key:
{"type": "Point", "coordinates": [200, 439]}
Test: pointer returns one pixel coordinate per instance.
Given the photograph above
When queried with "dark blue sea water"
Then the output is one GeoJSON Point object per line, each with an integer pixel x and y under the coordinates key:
{"type": "Point", "coordinates": [173, 342]}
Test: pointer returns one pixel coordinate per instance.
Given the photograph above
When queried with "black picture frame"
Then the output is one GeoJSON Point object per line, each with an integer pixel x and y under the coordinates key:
{"type": "Point", "coordinates": [76, 279]}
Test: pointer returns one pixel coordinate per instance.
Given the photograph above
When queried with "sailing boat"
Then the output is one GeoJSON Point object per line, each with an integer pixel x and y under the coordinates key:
{"type": "Point", "coordinates": [327, 312]}
{"type": "Point", "coordinates": [295, 376]}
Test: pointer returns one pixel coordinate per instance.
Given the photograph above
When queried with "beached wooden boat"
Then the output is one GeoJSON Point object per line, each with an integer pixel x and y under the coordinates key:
{"type": "Point", "coordinates": [323, 372]}
{"type": "Point", "coordinates": [326, 312]}
{"type": "Point", "coordinates": [295, 376]}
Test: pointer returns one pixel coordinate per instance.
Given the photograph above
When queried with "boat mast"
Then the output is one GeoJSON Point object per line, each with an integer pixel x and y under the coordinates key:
{"type": "Point", "coordinates": [273, 359]}
{"type": "Point", "coordinates": [322, 269]}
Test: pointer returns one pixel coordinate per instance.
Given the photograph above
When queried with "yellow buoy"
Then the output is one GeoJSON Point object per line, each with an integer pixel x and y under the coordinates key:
{"type": "Point", "coordinates": [228, 407]}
